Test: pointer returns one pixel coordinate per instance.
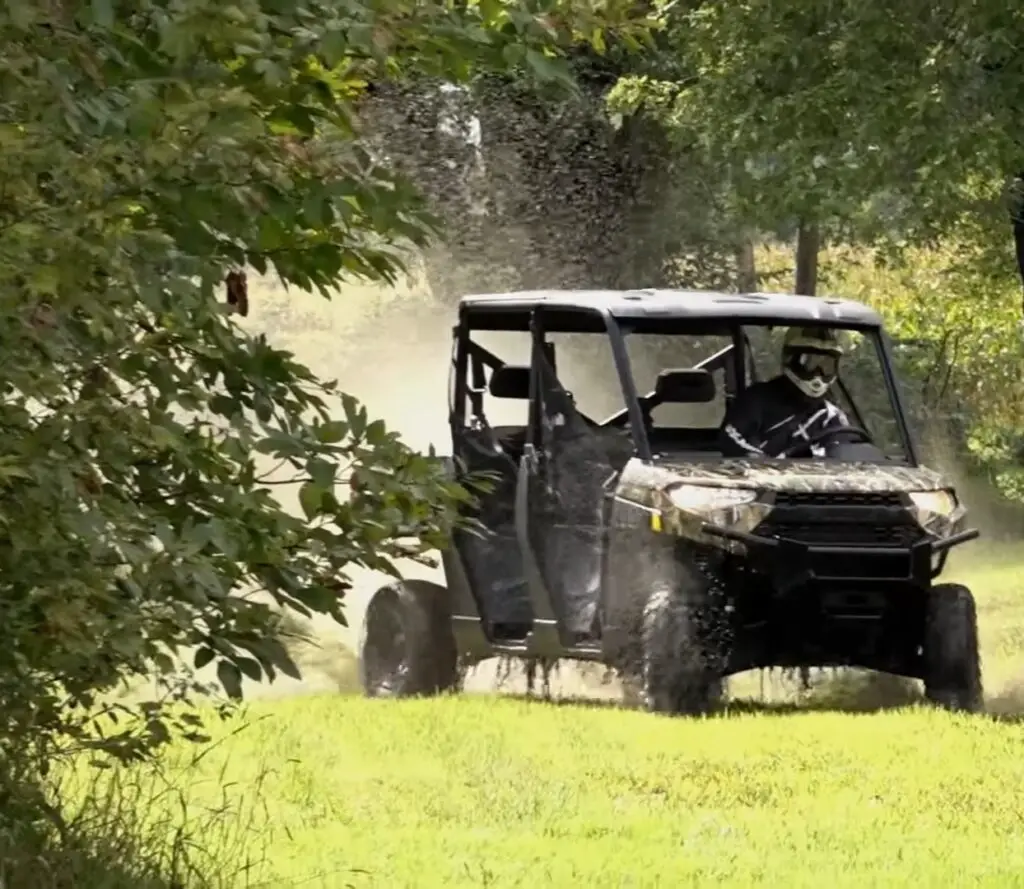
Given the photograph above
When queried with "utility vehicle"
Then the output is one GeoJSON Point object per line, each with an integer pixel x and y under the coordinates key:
{"type": "Point", "coordinates": [630, 540]}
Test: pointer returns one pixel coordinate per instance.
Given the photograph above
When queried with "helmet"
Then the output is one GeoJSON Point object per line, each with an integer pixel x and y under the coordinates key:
{"type": "Point", "coordinates": [810, 358]}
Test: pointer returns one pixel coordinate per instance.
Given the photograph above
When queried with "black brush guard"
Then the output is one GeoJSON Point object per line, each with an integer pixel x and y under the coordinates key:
{"type": "Point", "coordinates": [793, 563]}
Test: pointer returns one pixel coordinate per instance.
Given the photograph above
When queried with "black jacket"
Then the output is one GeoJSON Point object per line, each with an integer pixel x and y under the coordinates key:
{"type": "Point", "coordinates": [772, 416]}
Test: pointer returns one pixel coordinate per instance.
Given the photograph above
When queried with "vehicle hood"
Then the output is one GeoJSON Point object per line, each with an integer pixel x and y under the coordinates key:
{"type": "Point", "coordinates": [782, 475]}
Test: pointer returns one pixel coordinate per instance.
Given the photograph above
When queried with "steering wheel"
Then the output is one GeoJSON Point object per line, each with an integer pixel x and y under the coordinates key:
{"type": "Point", "coordinates": [804, 447]}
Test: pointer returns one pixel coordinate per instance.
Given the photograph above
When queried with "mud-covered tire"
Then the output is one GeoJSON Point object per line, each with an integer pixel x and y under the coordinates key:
{"type": "Point", "coordinates": [952, 665]}
{"type": "Point", "coordinates": [407, 647]}
{"type": "Point", "coordinates": [679, 674]}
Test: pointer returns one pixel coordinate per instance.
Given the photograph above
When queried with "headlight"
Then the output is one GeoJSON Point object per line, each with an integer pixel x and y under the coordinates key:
{"type": "Point", "coordinates": [700, 505]}
{"type": "Point", "coordinates": [940, 503]}
{"type": "Point", "coordinates": [702, 497]}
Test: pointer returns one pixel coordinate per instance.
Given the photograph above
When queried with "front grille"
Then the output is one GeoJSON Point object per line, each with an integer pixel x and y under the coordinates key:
{"type": "Point", "coordinates": [828, 518]}
{"type": "Point", "coordinates": [847, 533]}
{"type": "Point", "coordinates": [875, 499]}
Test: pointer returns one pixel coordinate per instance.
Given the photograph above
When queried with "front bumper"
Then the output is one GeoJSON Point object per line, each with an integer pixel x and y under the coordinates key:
{"type": "Point", "coordinates": [793, 563]}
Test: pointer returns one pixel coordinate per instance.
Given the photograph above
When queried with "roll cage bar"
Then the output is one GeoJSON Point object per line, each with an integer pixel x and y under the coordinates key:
{"type": "Point", "coordinates": [470, 358]}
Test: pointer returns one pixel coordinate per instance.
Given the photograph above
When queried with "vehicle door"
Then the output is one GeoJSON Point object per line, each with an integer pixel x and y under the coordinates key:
{"type": "Point", "coordinates": [559, 505]}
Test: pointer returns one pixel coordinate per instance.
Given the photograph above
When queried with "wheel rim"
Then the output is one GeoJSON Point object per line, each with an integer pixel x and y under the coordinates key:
{"type": "Point", "coordinates": [385, 658]}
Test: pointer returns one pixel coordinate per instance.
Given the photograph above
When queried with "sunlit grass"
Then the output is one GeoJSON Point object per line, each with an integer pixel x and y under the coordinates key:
{"type": "Point", "coordinates": [501, 792]}
{"type": "Point", "coordinates": [485, 790]}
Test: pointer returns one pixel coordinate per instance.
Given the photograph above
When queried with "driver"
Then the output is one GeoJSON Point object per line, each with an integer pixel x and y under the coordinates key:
{"type": "Point", "coordinates": [771, 417]}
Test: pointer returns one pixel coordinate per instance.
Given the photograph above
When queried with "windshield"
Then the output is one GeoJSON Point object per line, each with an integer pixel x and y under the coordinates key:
{"type": "Point", "coordinates": [860, 390]}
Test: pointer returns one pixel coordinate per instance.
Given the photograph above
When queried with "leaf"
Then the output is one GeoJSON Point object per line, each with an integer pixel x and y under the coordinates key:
{"type": "Point", "coordinates": [203, 656]}
{"type": "Point", "coordinates": [224, 405]}
{"type": "Point", "coordinates": [230, 677]}
{"type": "Point", "coordinates": [103, 12]}
{"type": "Point", "coordinates": [250, 668]}
{"type": "Point", "coordinates": [332, 432]}
{"type": "Point", "coordinates": [547, 69]}
{"type": "Point", "coordinates": [11, 471]}
{"type": "Point", "coordinates": [45, 280]}
{"type": "Point", "coordinates": [513, 54]}
{"type": "Point", "coordinates": [271, 650]}
{"type": "Point", "coordinates": [322, 473]}
{"type": "Point", "coordinates": [355, 413]}
{"type": "Point", "coordinates": [311, 497]}
{"type": "Point", "coordinates": [376, 434]}
{"type": "Point", "coordinates": [281, 445]}
{"type": "Point", "coordinates": [333, 47]}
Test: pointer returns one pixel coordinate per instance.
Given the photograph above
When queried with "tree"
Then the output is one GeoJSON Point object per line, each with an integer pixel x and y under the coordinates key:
{"type": "Point", "coordinates": [150, 149]}
{"type": "Point", "coordinates": [876, 121]}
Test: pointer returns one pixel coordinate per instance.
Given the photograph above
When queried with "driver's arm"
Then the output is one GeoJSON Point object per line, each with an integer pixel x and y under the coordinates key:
{"type": "Point", "coordinates": [740, 434]}
{"type": "Point", "coordinates": [829, 417]}
{"type": "Point", "coordinates": [836, 416]}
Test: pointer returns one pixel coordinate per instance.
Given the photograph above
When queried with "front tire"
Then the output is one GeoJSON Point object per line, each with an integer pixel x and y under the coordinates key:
{"type": "Point", "coordinates": [952, 672]}
{"type": "Point", "coordinates": [407, 647]}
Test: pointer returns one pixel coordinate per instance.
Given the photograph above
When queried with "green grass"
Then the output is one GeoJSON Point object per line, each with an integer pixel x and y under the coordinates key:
{"type": "Point", "coordinates": [503, 792]}
{"type": "Point", "coordinates": [488, 791]}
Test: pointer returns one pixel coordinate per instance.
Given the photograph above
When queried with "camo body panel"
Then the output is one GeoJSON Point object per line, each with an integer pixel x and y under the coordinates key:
{"type": "Point", "coordinates": [685, 523]}
{"type": "Point", "coordinates": [650, 486]}
{"type": "Point", "coordinates": [640, 480]}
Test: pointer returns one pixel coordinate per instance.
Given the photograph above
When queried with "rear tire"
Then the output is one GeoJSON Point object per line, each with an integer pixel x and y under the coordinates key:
{"type": "Point", "coordinates": [679, 673]}
{"type": "Point", "coordinates": [952, 671]}
{"type": "Point", "coordinates": [407, 647]}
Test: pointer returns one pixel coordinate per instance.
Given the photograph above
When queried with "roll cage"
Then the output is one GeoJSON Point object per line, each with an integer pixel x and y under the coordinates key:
{"type": "Point", "coordinates": [473, 365]}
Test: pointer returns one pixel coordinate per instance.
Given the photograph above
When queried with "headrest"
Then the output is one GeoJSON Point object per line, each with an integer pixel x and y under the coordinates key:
{"type": "Point", "coordinates": [510, 381]}
{"type": "Point", "coordinates": [689, 386]}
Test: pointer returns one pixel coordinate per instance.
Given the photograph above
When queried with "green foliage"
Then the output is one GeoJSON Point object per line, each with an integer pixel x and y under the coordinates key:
{"type": "Point", "coordinates": [137, 826]}
{"type": "Point", "coordinates": [893, 127]}
{"type": "Point", "coordinates": [891, 122]}
{"type": "Point", "coordinates": [148, 149]}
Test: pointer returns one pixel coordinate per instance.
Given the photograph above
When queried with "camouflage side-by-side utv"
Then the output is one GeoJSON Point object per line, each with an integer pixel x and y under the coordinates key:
{"type": "Point", "coordinates": [634, 542]}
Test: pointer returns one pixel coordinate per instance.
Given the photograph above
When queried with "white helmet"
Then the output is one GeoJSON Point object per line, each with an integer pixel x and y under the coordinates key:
{"type": "Point", "coordinates": [810, 358]}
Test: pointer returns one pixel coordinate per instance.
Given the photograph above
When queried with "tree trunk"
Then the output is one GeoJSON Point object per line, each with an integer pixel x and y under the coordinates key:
{"type": "Point", "coordinates": [808, 241]}
{"type": "Point", "coordinates": [1017, 218]}
{"type": "Point", "coordinates": [746, 266]}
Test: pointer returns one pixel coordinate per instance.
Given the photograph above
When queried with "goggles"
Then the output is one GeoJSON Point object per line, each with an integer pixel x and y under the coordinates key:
{"type": "Point", "coordinates": [809, 364]}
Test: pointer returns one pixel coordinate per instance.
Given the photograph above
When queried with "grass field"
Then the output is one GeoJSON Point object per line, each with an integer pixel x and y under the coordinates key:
{"type": "Point", "coordinates": [331, 790]}
{"type": "Point", "coordinates": [491, 792]}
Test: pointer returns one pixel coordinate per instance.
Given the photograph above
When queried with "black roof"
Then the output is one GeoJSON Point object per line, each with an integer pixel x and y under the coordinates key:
{"type": "Point", "coordinates": [653, 310]}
